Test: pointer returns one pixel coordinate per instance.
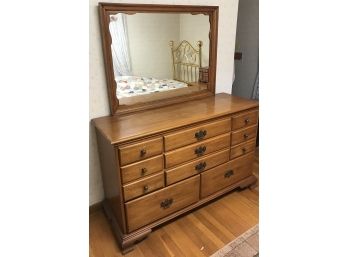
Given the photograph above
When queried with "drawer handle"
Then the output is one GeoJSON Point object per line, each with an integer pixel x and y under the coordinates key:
{"type": "Point", "coordinates": [246, 121]}
{"type": "Point", "coordinates": [143, 171]}
{"type": "Point", "coordinates": [200, 134]}
{"type": "Point", "coordinates": [244, 150]}
{"type": "Point", "coordinates": [246, 136]}
{"type": "Point", "coordinates": [229, 173]}
{"type": "Point", "coordinates": [142, 152]}
{"type": "Point", "coordinates": [146, 188]}
{"type": "Point", "coordinates": [201, 166]}
{"type": "Point", "coordinates": [166, 203]}
{"type": "Point", "coordinates": [200, 150]}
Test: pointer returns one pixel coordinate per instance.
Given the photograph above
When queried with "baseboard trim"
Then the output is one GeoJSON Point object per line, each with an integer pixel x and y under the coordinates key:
{"type": "Point", "coordinates": [95, 207]}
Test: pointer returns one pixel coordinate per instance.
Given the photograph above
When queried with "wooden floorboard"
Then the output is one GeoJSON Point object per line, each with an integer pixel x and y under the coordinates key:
{"type": "Point", "coordinates": [199, 233]}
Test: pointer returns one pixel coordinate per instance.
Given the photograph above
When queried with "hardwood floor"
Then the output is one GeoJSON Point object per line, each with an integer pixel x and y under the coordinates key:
{"type": "Point", "coordinates": [199, 233]}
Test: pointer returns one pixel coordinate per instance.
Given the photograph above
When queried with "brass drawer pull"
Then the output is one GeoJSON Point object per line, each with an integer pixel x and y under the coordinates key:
{"type": "Point", "coordinates": [246, 136]}
{"type": "Point", "coordinates": [201, 166]}
{"type": "Point", "coordinates": [143, 171]}
{"type": "Point", "coordinates": [166, 203]}
{"type": "Point", "coordinates": [246, 121]}
{"type": "Point", "coordinates": [200, 150]}
{"type": "Point", "coordinates": [142, 152]}
{"type": "Point", "coordinates": [229, 173]}
{"type": "Point", "coordinates": [200, 134]}
{"type": "Point", "coordinates": [146, 188]}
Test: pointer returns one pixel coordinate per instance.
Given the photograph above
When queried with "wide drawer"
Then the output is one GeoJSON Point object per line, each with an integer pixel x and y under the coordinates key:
{"type": "Point", "coordinates": [193, 151]}
{"type": "Point", "coordinates": [242, 149]}
{"type": "Point", "coordinates": [197, 166]}
{"type": "Point", "coordinates": [243, 135]}
{"type": "Point", "coordinates": [198, 133]}
{"type": "Point", "coordinates": [244, 119]}
{"type": "Point", "coordinates": [226, 174]}
{"type": "Point", "coordinates": [156, 205]}
{"type": "Point", "coordinates": [140, 151]}
{"type": "Point", "coordinates": [140, 169]}
{"type": "Point", "coordinates": [143, 186]}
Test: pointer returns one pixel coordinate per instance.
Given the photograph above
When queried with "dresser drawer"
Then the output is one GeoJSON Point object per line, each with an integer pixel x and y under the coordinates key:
{"type": "Point", "coordinates": [196, 134]}
{"type": "Point", "coordinates": [242, 149]}
{"type": "Point", "coordinates": [197, 166]}
{"type": "Point", "coordinates": [156, 205]}
{"type": "Point", "coordinates": [243, 135]}
{"type": "Point", "coordinates": [244, 119]}
{"type": "Point", "coordinates": [139, 151]}
{"type": "Point", "coordinates": [143, 186]}
{"type": "Point", "coordinates": [140, 169]}
{"type": "Point", "coordinates": [196, 150]}
{"type": "Point", "coordinates": [226, 174]}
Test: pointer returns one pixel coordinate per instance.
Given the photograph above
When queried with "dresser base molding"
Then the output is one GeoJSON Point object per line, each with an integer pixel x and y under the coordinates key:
{"type": "Point", "coordinates": [127, 241]}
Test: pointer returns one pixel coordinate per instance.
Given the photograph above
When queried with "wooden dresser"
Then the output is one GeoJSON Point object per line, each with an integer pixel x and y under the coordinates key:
{"type": "Point", "coordinates": [164, 162]}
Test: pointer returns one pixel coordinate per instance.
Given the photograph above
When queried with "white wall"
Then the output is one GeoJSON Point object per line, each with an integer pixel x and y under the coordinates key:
{"type": "Point", "coordinates": [98, 102]}
{"type": "Point", "coordinates": [149, 36]}
{"type": "Point", "coordinates": [194, 28]}
{"type": "Point", "coordinates": [150, 53]}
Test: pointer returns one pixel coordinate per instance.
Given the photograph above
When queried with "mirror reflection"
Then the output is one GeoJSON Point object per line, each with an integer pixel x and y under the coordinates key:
{"type": "Point", "coordinates": [159, 54]}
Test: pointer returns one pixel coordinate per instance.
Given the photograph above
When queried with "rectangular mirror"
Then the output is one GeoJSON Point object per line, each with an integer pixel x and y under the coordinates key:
{"type": "Point", "coordinates": [156, 57]}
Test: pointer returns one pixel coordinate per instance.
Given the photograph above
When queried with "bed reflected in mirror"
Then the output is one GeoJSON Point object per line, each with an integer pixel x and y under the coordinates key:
{"type": "Point", "coordinates": [159, 55]}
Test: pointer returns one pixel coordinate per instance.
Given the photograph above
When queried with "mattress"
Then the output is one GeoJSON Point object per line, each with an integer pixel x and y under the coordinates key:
{"type": "Point", "coordinates": [128, 86]}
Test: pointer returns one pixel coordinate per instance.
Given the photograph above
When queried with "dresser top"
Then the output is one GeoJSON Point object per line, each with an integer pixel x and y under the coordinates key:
{"type": "Point", "coordinates": [118, 129]}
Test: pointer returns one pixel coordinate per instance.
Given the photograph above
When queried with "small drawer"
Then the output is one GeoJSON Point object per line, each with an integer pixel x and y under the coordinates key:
{"type": "Point", "coordinates": [193, 151]}
{"type": "Point", "coordinates": [140, 151]}
{"type": "Point", "coordinates": [226, 174]}
{"type": "Point", "coordinates": [141, 169]}
{"type": "Point", "coordinates": [243, 135]}
{"type": "Point", "coordinates": [156, 205]}
{"type": "Point", "coordinates": [197, 166]}
{"type": "Point", "coordinates": [244, 119]}
{"type": "Point", "coordinates": [143, 186]}
{"type": "Point", "coordinates": [196, 134]}
{"type": "Point", "coordinates": [242, 149]}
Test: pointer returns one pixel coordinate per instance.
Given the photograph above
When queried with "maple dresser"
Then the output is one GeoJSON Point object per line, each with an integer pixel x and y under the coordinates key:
{"type": "Point", "coordinates": [160, 163]}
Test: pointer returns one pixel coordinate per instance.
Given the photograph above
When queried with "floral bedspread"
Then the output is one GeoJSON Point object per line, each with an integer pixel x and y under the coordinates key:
{"type": "Point", "coordinates": [133, 85]}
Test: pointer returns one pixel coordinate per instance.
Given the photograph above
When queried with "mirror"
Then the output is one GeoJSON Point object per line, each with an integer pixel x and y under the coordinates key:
{"type": "Point", "coordinates": [156, 57]}
{"type": "Point", "coordinates": [158, 52]}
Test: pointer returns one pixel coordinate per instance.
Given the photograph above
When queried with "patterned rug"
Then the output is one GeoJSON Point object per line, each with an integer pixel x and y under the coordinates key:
{"type": "Point", "coordinates": [246, 245]}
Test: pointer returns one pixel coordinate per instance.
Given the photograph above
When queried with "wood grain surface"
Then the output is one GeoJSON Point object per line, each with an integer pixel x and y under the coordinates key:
{"type": "Point", "coordinates": [134, 152]}
{"type": "Point", "coordinates": [226, 174]}
{"type": "Point", "coordinates": [142, 168]}
{"type": "Point", "coordinates": [243, 135]}
{"type": "Point", "coordinates": [190, 169]}
{"type": "Point", "coordinates": [118, 129]}
{"type": "Point", "coordinates": [143, 186]}
{"type": "Point", "coordinates": [187, 136]}
{"type": "Point", "coordinates": [149, 208]}
{"type": "Point", "coordinates": [188, 153]}
{"type": "Point", "coordinates": [198, 234]}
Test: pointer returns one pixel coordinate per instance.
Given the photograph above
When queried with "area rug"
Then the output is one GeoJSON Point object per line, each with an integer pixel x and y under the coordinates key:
{"type": "Point", "coordinates": [246, 245]}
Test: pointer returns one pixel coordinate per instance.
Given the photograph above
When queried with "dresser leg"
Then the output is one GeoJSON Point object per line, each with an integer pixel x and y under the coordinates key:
{"type": "Point", "coordinates": [248, 182]}
{"type": "Point", "coordinates": [125, 241]}
{"type": "Point", "coordinates": [129, 240]}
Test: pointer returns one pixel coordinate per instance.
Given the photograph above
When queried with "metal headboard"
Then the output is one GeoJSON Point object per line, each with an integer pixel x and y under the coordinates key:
{"type": "Point", "coordinates": [186, 61]}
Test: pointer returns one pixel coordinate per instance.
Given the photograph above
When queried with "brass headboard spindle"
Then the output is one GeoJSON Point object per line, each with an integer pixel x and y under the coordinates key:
{"type": "Point", "coordinates": [186, 61]}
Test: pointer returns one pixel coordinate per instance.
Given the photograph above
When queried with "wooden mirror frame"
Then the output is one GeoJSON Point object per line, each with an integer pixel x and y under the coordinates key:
{"type": "Point", "coordinates": [105, 9]}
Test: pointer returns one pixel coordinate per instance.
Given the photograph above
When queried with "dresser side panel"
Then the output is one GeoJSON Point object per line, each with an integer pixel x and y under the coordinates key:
{"type": "Point", "coordinates": [111, 179]}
